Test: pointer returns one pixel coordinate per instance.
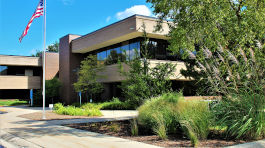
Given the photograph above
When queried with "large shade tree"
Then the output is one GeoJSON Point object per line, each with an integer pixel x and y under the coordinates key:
{"type": "Point", "coordinates": [200, 26]}
{"type": "Point", "coordinates": [228, 39]}
{"type": "Point", "coordinates": [210, 23]}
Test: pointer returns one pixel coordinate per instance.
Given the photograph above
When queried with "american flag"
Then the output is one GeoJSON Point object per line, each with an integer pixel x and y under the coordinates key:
{"type": "Point", "coordinates": [38, 12]}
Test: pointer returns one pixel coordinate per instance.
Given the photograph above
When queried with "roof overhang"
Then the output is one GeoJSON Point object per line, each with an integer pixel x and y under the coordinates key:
{"type": "Point", "coordinates": [123, 30]}
{"type": "Point", "coordinates": [20, 61]}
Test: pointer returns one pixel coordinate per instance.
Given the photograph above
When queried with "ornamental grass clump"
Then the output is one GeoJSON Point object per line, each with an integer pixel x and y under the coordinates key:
{"type": "Point", "coordinates": [238, 76]}
{"type": "Point", "coordinates": [172, 114]}
{"type": "Point", "coordinates": [195, 119]}
{"type": "Point", "coordinates": [159, 109]}
{"type": "Point", "coordinates": [243, 114]}
{"type": "Point", "coordinates": [134, 127]}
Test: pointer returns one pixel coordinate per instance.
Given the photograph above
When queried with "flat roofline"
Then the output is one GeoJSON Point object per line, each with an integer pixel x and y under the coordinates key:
{"type": "Point", "coordinates": [18, 56]}
{"type": "Point", "coordinates": [135, 15]}
{"type": "Point", "coordinates": [28, 56]}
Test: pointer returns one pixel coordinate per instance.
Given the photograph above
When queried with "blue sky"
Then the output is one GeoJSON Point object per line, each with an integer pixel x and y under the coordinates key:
{"type": "Point", "coordinates": [63, 17]}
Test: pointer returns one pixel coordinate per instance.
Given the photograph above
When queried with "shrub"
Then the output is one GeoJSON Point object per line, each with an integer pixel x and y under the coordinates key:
{"type": "Point", "coordinates": [91, 106]}
{"type": "Point", "coordinates": [76, 111]}
{"type": "Point", "coordinates": [52, 93]}
{"type": "Point", "coordinates": [116, 104]}
{"type": "Point", "coordinates": [170, 113]}
{"type": "Point", "coordinates": [58, 106]}
{"type": "Point", "coordinates": [90, 109]}
{"type": "Point", "coordinates": [52, 88]}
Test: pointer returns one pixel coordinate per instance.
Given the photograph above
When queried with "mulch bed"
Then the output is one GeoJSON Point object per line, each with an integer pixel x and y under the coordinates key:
{"type": "Point", "coordinates": [122, 129]}
{"type": "Point", "coordinates": [50, 116]}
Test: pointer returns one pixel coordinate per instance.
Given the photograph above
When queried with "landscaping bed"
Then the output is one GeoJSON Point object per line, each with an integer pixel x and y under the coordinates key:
{"type": "Point", "coordinates": [122, 129]}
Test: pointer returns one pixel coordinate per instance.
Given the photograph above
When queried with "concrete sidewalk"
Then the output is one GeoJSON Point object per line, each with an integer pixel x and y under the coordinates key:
{"type": "Point", "coordinates": [20, 132]}
{"type": "Point", "coordinates": [255, 144]}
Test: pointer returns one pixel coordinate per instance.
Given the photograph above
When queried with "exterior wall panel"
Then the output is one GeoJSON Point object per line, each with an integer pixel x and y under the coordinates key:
{"type": "Point", "coordinates": [20, 60]}
{"type": "Point", "coordinates": [20, 82]}
{"type": "Point", "coordinates": [111, 73]}
{"type": "Point", "coordinates": [121, 31]}
{"type": "Point", "coordinates": [150, 25]}
{"type": "Point", "coordinates": [103, 36]}
{"type": "Point", "coordinates": [52, 65]}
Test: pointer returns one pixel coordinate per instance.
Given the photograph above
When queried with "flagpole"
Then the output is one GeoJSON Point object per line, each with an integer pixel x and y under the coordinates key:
{"type": "Point", "coordinates": [44, 60]}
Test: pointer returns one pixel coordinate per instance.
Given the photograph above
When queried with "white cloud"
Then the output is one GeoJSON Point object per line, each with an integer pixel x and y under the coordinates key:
{"type": "Point", "coordinates": [137, 9]}
{"type": "Point", "coordinates": [67, 2]}
{"type": "Point", "coordinates": [108, 18]}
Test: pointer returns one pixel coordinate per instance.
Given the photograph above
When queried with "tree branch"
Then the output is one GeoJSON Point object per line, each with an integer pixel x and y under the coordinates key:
{"type": "Point", "coordinates": [238, 11]}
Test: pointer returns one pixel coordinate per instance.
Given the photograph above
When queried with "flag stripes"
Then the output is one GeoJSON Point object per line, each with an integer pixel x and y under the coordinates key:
{"type": "Point", "coordinates": [38, 12]}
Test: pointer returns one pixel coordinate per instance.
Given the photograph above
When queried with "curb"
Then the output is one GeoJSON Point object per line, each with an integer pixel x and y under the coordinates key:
{"type": "Point", "coordinates": [13, 141]}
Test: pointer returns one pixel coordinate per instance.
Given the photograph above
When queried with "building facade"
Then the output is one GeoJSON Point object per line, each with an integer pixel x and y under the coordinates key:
{"type": "Point", "coordinates": [121, 40]}
{"type": "Point", "coordinates": [20, 74]}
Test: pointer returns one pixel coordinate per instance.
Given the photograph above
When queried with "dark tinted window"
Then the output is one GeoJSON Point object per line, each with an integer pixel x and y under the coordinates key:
{"type": "Point", "coordinates": [3, 70]}
{"type": "Point", "coordinates": [19, 70]}
{"type": "Point", "coordinates": [157, 49]}
{"type": "Point", "coordinates": [125, 49]}
{"type": "Point", "coordinates": [161, 50]}
{"type": "Point", "coordinates": [134, 49]}
{"type": "Point", "coordinates": [101, 56]}
{"type": "Point", "coordinates": [113, 56]}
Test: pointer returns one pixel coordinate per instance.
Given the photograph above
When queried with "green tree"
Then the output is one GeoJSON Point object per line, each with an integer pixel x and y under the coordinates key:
{"type": "Point", "coordinates": [51, 48]}
{"type": "Point", "coordinates": [37, 54]}
{"type": "Point", "coordinates": [143, 81]}
{"type": "Point", "coordinates": [88, 76]}
{"type": "Point", "coordinates": [52, 88]}
{"type": "Point", "coordinates": [209, 25]}
{"type": "Point", "coordinates": [222, 44]}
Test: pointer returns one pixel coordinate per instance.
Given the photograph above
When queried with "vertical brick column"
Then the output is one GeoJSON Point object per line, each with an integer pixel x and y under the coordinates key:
{"type": "Point", "coordinates": [68, 62]}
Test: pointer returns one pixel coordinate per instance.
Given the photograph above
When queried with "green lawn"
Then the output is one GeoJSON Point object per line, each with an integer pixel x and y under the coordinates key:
{"type": "Point", "coordinates": [12, 102]}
